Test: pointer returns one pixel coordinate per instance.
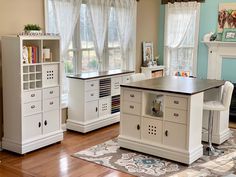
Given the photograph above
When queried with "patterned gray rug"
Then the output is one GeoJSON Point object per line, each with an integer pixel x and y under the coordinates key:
{"type": "Point", "coordinates": [110, 155]}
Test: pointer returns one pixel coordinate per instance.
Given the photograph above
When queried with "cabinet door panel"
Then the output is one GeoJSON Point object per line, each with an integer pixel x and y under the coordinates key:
{"type": "Point", "coordinates": [176, 102]}
{"type": "Point", "coordinates": [32, 108]}
{"type": "Point", "coordinates": [104, 106]}
{"type": "Point", "coordinates": [131, 108]}
{"type": "Point", "coordinates": [91, 110]}
{"type": "Point", "coordinates": [51, 104]}
{"type": "Point", "coordinates": [51, 121]}
{"type": "Point", "coordinates": [152, 130]}
{"type": "Point", "coordinates": [175, 135]}
{"type": "Point", "coordinates": [31, 96]}
{"type": "Point", "coordinates": [115, 85]}
{"type": "Point", "coordinates": [32, 126]}
{"type": "Point", "coordinates": [176, 115]}
{"type": "Point", "coordinates": [51, 92]}
{"type": "Point", "coordinates": [130, 126]}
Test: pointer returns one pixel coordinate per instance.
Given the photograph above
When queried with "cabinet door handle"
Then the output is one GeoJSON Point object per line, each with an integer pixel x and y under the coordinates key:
{"type": "Point", "coordinates": [39, 124]}
{"type": "Point", "coordinates": [33, 106]}
{"type": "Point", "coordinates": [32, 95]}
{"type": "Point", "coordinates": [176, 102]}
{"type": "Point", "coordinates": [132, 95]}
{"type": "Point", "coordinates": [45, 123]}
{"type": "Point", "coordinates": [51, 103]}
{"type": "Point", "coordinates": [176, 114]}
{"type": "Point", "coordinates": [96, 109]}
{"type": "Point", "coordinates": [92, 85]}
{"type": "Point", "coordinates": [131, 107]}
{"type": "Point", "coordinates": [166, 132]}
{"type": "Point", "coordinates": [91, 94]}
{"type": "Point", "coordinates": [51, 92]}
{"type": "Point", "coordinates": [138, 127]}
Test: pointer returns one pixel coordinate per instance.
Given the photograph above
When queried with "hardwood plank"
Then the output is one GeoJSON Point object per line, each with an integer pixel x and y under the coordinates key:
{"type": "Point", "coordinates": [56, 159]}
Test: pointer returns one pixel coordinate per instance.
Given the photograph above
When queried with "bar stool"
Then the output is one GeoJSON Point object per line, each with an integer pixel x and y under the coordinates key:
{"type": "Point", "coordinates": [221, 105]}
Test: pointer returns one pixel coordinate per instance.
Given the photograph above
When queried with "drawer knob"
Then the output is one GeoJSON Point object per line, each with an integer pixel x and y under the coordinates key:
{"type": "Point", "coordinates": [39, 124]}
{"type": "Point", "coordinates": [176, 114]}
{"type": "Point", "coordinates": [166, 132]}
{"type": "Point", "coordinates": [51, 92]}
{"type": "Point", "coordinates": [45, 123]}
{"type": "Point", "coordinates": [176, 102]}
{"type": "Point", "coordinates": [92, 85]}
{"type": "Point", "coordinates": [51, 103]}
{"type": "Point", "coordinates": [33, 106]}
{"type": "Point", "coordinates": [132, 95]}
{"type": "Point", "coordinates": [138, 127]}
{"type": "Point", "coordinates": [32, 95]}
{"type": "Point", "coordinates": [131, 107]}
{"type": "Point", "coordinates": [91, 94]}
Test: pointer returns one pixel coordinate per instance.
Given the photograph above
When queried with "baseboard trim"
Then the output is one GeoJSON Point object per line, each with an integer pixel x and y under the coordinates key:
{"type": "Point", "coordinates": [63, 127]}
{"type": "Point", "coordinates": [217, 138]}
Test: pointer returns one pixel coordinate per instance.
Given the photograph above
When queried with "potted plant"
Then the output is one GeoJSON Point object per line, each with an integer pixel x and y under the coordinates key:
{"type": "Point", "coordinates": [32, 28]}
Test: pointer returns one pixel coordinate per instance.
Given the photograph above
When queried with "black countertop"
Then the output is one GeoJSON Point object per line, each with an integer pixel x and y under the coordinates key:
{"type": "Point", "coordinates": [93, 75]}
{"type": "Point", "coordinates": [179, 85]}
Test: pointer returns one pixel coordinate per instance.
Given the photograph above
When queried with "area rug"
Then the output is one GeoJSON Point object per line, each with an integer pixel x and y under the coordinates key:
{"type": "Point", "coordinates": [109, 154]}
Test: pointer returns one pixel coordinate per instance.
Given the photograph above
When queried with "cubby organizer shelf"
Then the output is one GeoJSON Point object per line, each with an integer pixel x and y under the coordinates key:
{"type": "Point", "coordinates": [36, 119]}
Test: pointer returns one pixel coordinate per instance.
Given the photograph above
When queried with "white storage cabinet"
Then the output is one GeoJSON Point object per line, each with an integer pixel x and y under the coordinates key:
{"type": "Point", "coordinates": [31, 94]}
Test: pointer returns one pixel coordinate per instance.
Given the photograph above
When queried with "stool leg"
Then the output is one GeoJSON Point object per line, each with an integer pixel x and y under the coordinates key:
{"type": "Point", "coordinates": [211, 149]}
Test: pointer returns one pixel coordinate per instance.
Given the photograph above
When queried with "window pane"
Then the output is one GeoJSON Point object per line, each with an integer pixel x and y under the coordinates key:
{"type": "Point", "coordinates": [114, 58]}
{"type": "Point", "coordinates": [114, 52]}
{"type": "Point", "coordinates": [68, 63]}
{"type": "Point", "coordinates": [89, 61]}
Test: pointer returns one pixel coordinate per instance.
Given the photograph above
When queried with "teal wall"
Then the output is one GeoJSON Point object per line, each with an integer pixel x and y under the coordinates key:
{"type": "Point", "coordinates": [208, 22]}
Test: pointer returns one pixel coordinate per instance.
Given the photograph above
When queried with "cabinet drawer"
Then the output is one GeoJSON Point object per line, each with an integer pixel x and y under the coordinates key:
{"type": "Point", "coordinates": [32, 96]}
{"type": "Point", "coordinates": [125, 79]}
{"type": "Point", "coordinates": [175, 135]}
{"type": "Point", "coordinates": [32, 108]}
{"type": "Point", "coordinates": [51, 120]}
{"type": "Point", "coordinates": [51, 104]}
{"type": "Point", "coordinates": [91, 85]}
{"type": "Point", "coordinates": [151, 130]}
{"type": "Point", "coordinates": [176, 102]}
{"type": "Point", "coordinates": [31, 126]}
{"type": "Point", "coordinates": [115, 85]}
{"type": "Point", "coordinates": [91, 95]}
{"type": "Point", "coordinates": [130, 126]}
{"type": "Point", "coordinates": [132, 108]}
{"type": "Point", "coordinates": [132, 96]}
{"type": "Point", "coordinates": [51, 92]}
{"type": "Point", "coordinates": [176, 115]}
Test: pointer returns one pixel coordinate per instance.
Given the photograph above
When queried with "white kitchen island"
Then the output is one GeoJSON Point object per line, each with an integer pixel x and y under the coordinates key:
{"type": "Point", "coordinates": [163, 117]}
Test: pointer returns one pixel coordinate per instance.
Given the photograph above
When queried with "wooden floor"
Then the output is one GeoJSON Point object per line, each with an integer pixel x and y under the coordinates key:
{"type": "Point", "coordinates": [56, 160]}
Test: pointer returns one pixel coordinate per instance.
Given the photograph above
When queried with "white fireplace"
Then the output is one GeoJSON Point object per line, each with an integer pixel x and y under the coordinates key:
{"type": "Point", "coordinates": [217, 51]}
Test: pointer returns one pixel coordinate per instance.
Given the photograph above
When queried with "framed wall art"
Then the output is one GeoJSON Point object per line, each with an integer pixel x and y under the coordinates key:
{"type": "Point", "coordinates": [147, 53]}
{"type": "Point", "coordinates": [229, 35]}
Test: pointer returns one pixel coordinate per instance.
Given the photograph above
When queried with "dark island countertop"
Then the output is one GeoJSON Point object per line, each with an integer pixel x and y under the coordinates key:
{"type": "Point", "coordinates": [93, 75]}
{"type": "Point", "coordinates": [178, 85]}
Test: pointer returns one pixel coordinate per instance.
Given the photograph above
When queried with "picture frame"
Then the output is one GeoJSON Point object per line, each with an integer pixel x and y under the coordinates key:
{"type": "Point", "coordinates": [147, 53]}
{"type": "Point", "coordinates": [229, 35]}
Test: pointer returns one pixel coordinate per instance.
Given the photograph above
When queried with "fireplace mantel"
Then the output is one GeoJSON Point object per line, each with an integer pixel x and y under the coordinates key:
{"type": "Point", "coordinates": [217, 51]}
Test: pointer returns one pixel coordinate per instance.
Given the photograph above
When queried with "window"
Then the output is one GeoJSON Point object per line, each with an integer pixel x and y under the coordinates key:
{"type": "Point", "coordinates": [83, 46]}
{"type": "Point", "coordinates": [181, 37]}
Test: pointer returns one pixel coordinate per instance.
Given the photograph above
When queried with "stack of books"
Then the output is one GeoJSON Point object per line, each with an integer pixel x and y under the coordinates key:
{"type": "Point", "coordinates": [30, 54]}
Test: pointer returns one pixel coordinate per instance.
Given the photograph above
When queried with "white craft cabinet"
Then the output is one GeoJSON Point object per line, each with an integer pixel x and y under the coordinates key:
{"type": "Point", "coordinates": [31, 94]}
{"type": "Point", "coordinates": [174, 134]}
{"type": "Point", "coordinates": [94, 102]}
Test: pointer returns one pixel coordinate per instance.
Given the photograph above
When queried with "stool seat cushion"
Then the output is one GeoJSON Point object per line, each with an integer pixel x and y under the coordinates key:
{"type": "Point", "coordinates": [213, 105]}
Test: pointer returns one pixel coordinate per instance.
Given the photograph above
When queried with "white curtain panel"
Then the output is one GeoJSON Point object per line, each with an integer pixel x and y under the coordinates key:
{"type": "Point", "coordinates": [67, 14]}
{"type": "Point", "coordinates": [98, 13]}
{"type": "Point", "coordinates": [126, 11]}
{"type": "Point", "coordinates": [180, 37]}
{"type": "Point", "coordinates": [180, 16]}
